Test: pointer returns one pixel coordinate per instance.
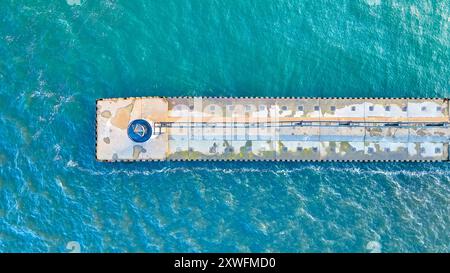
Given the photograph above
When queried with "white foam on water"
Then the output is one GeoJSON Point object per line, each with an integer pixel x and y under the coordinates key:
{"type": "Point", "coordinates": [9, 38]}
{"type": "Point", "coordinates": [415, 11]}
{"type": "Point", "coordinates": [57, 149]}
{"type": "Point", "coordinates": [40, 93]}
{"type": "Point", "coordinates": [167, 170]}
{"type": "Point", "coordinates": [74, 2]}
{"type": "Point", "coordinates": [286, 172]}
{"type": "Point", "coordinates": [409, 173]}
{"type": "Point", "coordinates": [373, 247]}
{"type": "Point", "coordinates": [71, 164]}
{"type": "Point", "coordinates": [60, 185]}
{"type": "Point", "coordinates": [62, 100]}
{"type": "Point", "coordinates": [373, 2]}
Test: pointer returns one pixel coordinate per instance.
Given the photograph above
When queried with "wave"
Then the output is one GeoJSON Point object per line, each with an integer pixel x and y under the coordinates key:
{"type": "Point", "coordinates": [276, 170]}
{"type": "Point", "coordinates": [62, 100]}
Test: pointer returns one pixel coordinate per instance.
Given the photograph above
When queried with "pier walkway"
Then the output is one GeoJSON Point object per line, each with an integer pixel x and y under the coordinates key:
{"type": "Point", "coordinates": [297, 129]}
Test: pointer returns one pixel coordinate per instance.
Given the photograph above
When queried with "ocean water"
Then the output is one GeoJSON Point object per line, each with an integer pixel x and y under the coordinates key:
{"type": "Point", "coordinates": [57, 57]}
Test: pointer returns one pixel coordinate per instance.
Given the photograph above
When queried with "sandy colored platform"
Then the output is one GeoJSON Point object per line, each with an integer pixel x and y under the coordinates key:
{"type": "Point", "coordinates": [275, 129]}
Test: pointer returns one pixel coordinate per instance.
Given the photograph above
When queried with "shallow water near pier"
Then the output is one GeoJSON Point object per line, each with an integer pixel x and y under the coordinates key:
{"type": "Point", "coordinates": [58, 57]}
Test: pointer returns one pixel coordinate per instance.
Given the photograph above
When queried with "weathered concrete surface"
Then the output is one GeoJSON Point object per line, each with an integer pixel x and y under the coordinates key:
{"type": "Point", "coordinates": [275, 129]}
{"type": "Point", "coordinates": [113, 117]}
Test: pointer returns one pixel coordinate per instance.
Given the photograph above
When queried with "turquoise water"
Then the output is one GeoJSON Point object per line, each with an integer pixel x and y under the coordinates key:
{"type": "Point", "coordinates": [57, 57]}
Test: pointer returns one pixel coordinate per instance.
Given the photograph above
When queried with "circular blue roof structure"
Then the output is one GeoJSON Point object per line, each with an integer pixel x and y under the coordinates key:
{"type": "Point", "coordinates": [139, 130]}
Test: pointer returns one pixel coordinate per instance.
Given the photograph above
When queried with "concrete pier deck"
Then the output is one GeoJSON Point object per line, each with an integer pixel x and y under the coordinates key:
{"type": "Point", "coordinates": [284, 129]}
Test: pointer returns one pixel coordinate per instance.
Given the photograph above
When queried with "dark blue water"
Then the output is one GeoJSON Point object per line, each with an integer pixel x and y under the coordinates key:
{"type": "Point", "coordinates": [57, 57]}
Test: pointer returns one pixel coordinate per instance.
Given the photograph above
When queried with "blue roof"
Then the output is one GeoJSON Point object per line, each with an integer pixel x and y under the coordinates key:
{"type": "Point", "coordinates": [139, 130]}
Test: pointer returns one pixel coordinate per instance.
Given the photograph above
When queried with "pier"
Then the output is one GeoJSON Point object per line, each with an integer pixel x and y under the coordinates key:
{"type": "Point", "coordinates": [281, 129]}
